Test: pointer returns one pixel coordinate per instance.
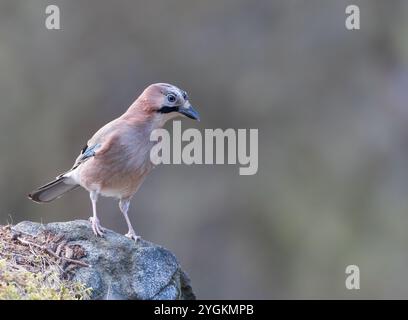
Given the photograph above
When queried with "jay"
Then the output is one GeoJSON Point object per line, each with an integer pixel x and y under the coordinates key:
{"type": "Point", "coordinates": [116, 160]}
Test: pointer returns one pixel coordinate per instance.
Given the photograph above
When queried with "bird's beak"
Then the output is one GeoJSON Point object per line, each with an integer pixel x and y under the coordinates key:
{"type": "Point", "coordinates": [188, 110]}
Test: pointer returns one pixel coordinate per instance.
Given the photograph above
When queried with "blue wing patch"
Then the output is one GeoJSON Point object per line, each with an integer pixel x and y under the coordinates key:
{"type": "Point", "coordinates": [88, 152]}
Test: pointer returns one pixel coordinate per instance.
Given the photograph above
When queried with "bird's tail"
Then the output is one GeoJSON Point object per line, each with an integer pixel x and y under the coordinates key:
{"type": "Point", "coordinates": [52, 190]}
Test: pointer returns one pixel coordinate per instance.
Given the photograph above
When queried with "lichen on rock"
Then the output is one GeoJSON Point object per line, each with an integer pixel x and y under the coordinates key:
{"type": "Point", "coordinates": [113, 267]}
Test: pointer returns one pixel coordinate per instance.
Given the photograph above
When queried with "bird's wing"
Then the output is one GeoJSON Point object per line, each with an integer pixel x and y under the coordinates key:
{"type": "Point", "coordinates": [87, 152]}
{"type": "Point", "coordinates": [101, 141]}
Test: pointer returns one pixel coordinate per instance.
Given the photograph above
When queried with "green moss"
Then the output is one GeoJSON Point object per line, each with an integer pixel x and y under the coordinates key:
{"type": "Point", "coordinates": [21, 284]}
{"type": "Point", "coordinates": [27, 273]}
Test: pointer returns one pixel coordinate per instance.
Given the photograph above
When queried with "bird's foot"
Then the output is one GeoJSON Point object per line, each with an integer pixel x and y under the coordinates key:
{"type": "Point", "coordinates": [132, 235]}
{"type": "Point", "coordinates": [97, 229]}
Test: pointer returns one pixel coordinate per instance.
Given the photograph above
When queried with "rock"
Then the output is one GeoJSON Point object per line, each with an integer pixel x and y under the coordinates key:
{"type": "Point", "coordinates": [119, 267]}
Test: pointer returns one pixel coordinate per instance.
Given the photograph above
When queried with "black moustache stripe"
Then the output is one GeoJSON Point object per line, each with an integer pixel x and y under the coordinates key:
{"type": "Point", "coordinates": [167, 109]}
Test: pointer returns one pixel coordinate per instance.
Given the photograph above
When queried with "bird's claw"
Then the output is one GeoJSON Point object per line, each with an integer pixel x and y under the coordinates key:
{"type": "Point", "coordinates": [132, 235]}
{"type": "Point", "coordinates": [97, 229]}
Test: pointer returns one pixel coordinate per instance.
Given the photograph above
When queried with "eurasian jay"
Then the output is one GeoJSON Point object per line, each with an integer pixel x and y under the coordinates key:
{"type": "Point", "coordinates": [116, 159]}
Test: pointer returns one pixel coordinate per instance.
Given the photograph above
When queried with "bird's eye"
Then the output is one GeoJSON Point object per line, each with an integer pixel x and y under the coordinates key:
{"type": "Point", "coordinates": [171, 98]}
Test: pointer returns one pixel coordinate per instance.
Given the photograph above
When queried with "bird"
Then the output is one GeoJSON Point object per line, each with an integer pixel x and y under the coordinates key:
{"type": "Point", "coordinates": [116, 159]}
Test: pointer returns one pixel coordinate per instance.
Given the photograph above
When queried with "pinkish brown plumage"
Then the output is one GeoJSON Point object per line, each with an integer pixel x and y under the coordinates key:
{"type": "Point", "coordinates": [116, 159]}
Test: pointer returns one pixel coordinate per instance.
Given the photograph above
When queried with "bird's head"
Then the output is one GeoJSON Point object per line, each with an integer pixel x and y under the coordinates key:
{"type": "Point", "coordinates": [164, 101]}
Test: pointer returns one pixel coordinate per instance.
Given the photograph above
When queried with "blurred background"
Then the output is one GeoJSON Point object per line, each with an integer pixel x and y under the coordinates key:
{"type": "Point", "coordinates": [331, 109]}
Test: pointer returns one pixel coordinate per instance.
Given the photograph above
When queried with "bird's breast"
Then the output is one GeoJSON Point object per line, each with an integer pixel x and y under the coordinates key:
{"type": "Point", "coordinates": [119, 172]}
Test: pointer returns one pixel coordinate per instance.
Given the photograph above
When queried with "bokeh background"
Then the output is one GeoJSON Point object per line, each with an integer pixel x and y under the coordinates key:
{"type": "Point", "coordinates": [330, 106]}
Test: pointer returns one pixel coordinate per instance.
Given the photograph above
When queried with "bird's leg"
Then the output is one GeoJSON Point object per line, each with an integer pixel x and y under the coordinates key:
{"type": "Point", "coordinates": [96, 226]}
{"type": "Point", "coordinates": [124, 207]}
